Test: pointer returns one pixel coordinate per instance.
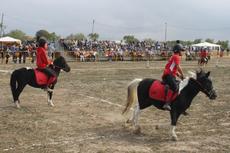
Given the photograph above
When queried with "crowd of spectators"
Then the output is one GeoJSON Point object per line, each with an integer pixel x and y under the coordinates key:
{"type": "Point", "coordinates": [111, 50]}
{"type": "Point", "coordinates": [17, 53]}
{"type": "Point", "coordinates": [86, 50]}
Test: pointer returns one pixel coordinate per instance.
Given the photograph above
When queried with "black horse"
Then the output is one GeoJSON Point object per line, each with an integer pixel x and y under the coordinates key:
{"type": "Point", "coordinates": [138, 89]}
{"type": "Point", "coordinates": [23, 76]}
{"type": "Point", "coordinates": [203, 61]}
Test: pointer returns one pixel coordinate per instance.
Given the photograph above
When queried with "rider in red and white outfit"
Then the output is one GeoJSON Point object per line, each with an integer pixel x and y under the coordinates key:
{"type": "Point", "coordinates": [173, 69]}
{"type": "Point", "coordinates": [43, 62]}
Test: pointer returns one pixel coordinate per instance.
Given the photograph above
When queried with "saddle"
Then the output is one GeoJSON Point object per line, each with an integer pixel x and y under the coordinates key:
{"type": "Point", "coordinates": [158, 91]}
{"type": "Point", "coordinates": [42, 79]}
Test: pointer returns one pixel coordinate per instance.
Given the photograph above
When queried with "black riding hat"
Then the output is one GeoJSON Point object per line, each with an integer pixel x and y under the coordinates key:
{"type": "Point", "coordinates": [42, 41]}
{"type": "Point", "coordinates": [178, 47]}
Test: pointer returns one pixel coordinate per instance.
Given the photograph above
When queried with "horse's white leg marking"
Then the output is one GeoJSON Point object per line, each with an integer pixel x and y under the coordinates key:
{"type": "Point", "coordinates": [136, 115]}
{"type": "Point", "coordinates": [137, 129]}
{"type": "Point", "coordinates": [174, 136]}
{"type": "Point", "coordinates": [17, 104]}
{"type": "Point", "coordinates": [50, 102]}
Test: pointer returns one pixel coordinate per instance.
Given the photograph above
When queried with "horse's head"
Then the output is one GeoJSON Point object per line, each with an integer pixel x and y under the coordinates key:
{"type": "Point", "coordinates": [61, 63]}
{"type": "Point", "coordinates": [206, 84]}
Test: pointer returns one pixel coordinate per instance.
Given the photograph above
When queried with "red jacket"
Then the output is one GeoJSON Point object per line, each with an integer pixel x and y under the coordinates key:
{"type": "Point", "coordinates": [42, 60]}
{"type": "Point", "coordinates": [171, 66]}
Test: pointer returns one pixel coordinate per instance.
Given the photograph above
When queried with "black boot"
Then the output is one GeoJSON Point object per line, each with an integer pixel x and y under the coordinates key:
{"type": "Point", "coordinates": [166, 105]}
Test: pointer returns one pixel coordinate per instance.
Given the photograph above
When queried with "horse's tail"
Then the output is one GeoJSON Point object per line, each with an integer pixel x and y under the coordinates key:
{"type": "Point", "coordinates": [13, 83]}
{"type": "Point", "coordinates": [132, 94]}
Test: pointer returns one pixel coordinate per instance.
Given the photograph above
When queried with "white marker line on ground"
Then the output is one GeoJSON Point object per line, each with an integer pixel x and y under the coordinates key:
{"type": "Point", "coordinates": [56, 143]}
{"type": "Point", "coordinates": [136, 68]}
{"type": "Point", "coordinates": [5, 71]}
{"type": "Point", "coordinates": [102, 100]}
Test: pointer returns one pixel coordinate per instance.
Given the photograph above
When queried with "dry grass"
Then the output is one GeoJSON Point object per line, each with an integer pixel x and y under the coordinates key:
{"type": "Point", "coordinates": [84, 120]}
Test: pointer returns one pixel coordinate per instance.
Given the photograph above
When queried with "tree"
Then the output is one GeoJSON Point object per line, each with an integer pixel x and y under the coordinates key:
{"type": "Point", "coordinates": [196, 41]}
{"type": "Point", "coordinates": [53, 36]}
{"type": "Point", "coordinates": [78, 36]}
{"type": "Point", "coordinates": [149, 41]}
{"type": "Point", "coordinates": [93, 36]}
{"type": "Point", "coordinates": [49, 36]}
{"type": "Point", "coordinates": [223, 44]}
{"type": "Point", "coordinates": [209, 40]}
{"type": "Point", "coordinates": [42, 33]}
{"type": "Point", "coordinates": [130, 39]}
{"type": "Point", "coordinates": [18, 34]}
{"type": "Point", "coordinates": [188, 43]}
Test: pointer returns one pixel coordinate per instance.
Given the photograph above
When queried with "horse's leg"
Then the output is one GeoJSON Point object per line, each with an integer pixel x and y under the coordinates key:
{"type": "Point", "coordinates": [49, 96]}
{"type": "Point", "coordinates": [17, 94]}
{"type": "Point", "coordinates": [134, 120]}
{"type": "Point", "coordinates": [174, 117]}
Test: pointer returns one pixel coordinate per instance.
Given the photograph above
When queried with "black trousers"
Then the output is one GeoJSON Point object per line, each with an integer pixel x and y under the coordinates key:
{"type": "Point", "coordinates": [171, 81]}
{"type": "Point", "coordinates": [49, 72]}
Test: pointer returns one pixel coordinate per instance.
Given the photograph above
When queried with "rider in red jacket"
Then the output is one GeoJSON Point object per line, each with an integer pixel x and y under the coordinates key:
{"type": "Point", "coordinates": [173, 69]}
{"type": "Point", "coordinates": [43, 63]}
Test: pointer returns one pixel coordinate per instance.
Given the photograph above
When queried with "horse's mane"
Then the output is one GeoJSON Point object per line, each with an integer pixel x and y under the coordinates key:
{"type": "Point", "coordinates": [184, 82]}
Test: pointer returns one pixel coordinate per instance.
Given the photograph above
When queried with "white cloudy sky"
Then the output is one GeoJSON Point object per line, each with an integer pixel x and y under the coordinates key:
{"type": "Point", "coordinates": [186, 19]}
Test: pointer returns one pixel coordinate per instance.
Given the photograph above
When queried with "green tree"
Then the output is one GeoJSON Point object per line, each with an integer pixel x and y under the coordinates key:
{"type": "Point", "coordinates": [130, 39]}
{"type": "Point", "coordinates": [93, 36]}
{"type": "Point", "coordinates": [53, 36]}
{"type": "Point", "coordinates": [18, 34]}
{"type": "Point", "coordinates": [49, 36]}
{"type": "Point", "coordinates": [188, 43]}
{"type": "Point", "coordinates": [78, 36]}
{"type": "Point", "coordinates": [209, 40]}
{"type": "Point", "coordinates": [223, 44]}
{"type": "Point", "coordinates": [196, 41]}
{"type": "Point", "coordinates": [149, 41]}
{"type": "Point", "coordinates": [42, 33]}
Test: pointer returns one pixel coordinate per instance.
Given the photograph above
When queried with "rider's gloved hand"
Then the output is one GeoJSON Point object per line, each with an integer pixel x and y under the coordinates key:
{"type": "Point", "coordinates": [182, 77]}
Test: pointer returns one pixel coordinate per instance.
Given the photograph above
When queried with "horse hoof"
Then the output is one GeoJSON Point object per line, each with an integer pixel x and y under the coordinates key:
{"type": "Point", "coordinates": [157, 127]}
{"type": "Point", "coordinates": [17, 105]}
{"type": "Point", "coordinates": [137, 130]}
{"type": "Point", "coordinates": [174, 138]}
{"type": "Point", "coordinates": [51, 104]}
{"type": "Point", "coordinates": [128, 121]}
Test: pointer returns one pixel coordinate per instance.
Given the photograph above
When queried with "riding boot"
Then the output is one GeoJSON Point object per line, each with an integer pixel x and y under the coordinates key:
{"type": "Point", "coordinates": [49, 83]}
{"type": "Point", "coordinates": [167, 102]}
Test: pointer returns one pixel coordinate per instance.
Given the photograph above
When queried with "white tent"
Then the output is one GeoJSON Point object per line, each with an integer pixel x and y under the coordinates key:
{"type": "Point", "coordinates": [207, 45]}
{"type": "Point", "coordinates": [10, 40]}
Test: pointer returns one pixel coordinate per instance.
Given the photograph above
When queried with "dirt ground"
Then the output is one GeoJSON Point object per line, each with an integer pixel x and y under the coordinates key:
{"type": "Point", "coordinates": [87, 116]}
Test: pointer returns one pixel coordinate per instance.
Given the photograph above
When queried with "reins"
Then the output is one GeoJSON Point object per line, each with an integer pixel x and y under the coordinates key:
{"type": "Point", "coordinates": [57, 66]}
{"type": "Point", "coordinates": [205, 91]}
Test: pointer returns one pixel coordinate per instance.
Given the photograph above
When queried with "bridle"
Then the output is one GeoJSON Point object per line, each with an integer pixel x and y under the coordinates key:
{"type": "Point", "coordinates": [202, 89]}
{"type": "Point", "coordinates": [55, 66]}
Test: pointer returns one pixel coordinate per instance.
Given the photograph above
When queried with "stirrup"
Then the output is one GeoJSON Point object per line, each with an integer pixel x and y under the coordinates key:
{"type": "Point", "coordinates": [167, 107]}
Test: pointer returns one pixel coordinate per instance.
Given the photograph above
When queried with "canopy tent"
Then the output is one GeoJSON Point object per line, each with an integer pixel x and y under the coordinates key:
{"type": "Point", "coordinates": [9, 40]}
{"type": "Point", "coordinates": [207, 45]}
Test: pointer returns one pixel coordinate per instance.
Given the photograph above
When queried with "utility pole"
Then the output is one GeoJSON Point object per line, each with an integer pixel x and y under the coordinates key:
{"type": "Point", "coordinates": [93, 27]}
{"type": "Point", "coordinates": [1, 32]}
{"type": "Point", "coordinates": [165, 32]}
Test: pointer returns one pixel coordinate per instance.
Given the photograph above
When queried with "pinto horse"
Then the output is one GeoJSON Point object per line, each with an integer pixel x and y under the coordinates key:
{"type": "Point", "coordinates": [203, 61]}
{"type": "Point", "coordinates": [23, 76]}
{"type": "Point", "coordinates": [138, 90]}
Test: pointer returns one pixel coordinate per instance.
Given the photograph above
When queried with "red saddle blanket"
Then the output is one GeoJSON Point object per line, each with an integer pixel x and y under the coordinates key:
{"type": "Point", "coordinates": [42, 78]}
{"type": "Point", "coordinates": [157, 92]}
